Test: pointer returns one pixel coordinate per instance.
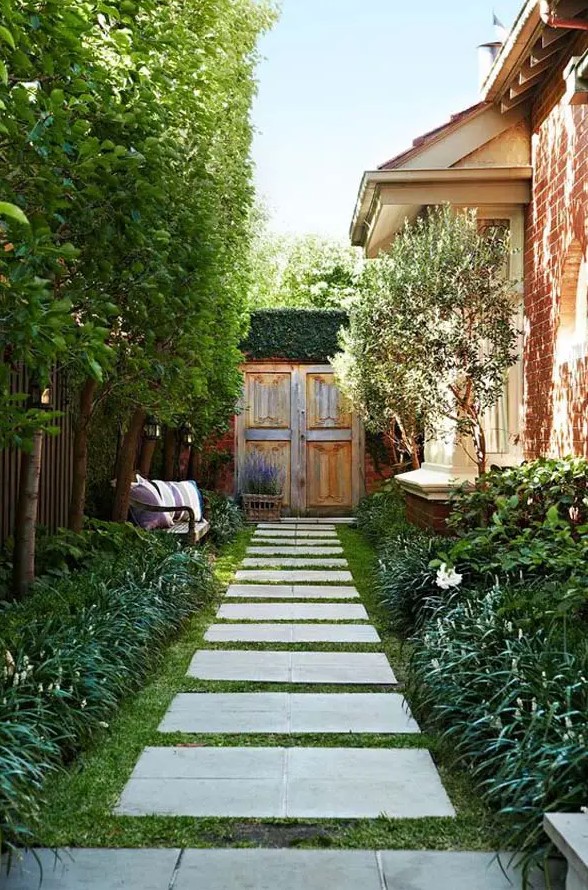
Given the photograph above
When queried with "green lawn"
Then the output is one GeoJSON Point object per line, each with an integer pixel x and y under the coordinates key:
{"type": "Point", "coordinates": [80, 800]}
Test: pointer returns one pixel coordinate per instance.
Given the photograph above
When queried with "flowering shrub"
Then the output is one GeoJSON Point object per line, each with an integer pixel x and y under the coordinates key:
{"type": "Point", "coordinates": [73, 650]}
{"type": "Point", "coordinates": [260, 475]}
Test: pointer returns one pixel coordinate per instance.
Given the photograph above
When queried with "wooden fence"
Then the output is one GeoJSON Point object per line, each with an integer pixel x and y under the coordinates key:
{"type": "Point", "coordinates": [56, 472]}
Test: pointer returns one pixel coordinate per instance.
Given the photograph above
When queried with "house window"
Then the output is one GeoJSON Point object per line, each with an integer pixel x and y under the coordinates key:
{"type": "Point", "coordinates": [572, 328]}
{"type": "Point", "coordinates": [496, 418]}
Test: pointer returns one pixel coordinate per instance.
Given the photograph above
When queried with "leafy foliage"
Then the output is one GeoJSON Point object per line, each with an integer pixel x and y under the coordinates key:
{"type": "Point", "coordinates": [305, 272]}
{"type": "Point", "coordinates": [382, 514]}
{"type": "Point", "coordinates": [225, 517]}
{"type": "Point", "coordinates": [509, 691]}
{"type": "Point", "coordinates": [499, 662]}
{"type": "Point", "coordinates": [406, 580]}
{"type": "Point", "coordinates": [73, 650]}
{"type": "Point", "coordinates": [304, 335]}
{"type": "Point", "coordinates": [431, 335]}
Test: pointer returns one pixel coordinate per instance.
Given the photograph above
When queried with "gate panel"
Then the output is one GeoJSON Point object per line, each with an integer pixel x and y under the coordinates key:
{"type": "Point", "coordinates": [296, 415]}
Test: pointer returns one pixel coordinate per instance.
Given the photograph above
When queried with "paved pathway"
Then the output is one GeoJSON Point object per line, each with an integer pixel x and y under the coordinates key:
{"type": "Point", "coordinates": [296, 609]}
{"type": "Point", "coordinates": [298, 782]}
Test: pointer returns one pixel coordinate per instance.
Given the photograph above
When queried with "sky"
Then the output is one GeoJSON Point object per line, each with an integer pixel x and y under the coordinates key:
{"type": "Point", "coordinates": [346, 84]}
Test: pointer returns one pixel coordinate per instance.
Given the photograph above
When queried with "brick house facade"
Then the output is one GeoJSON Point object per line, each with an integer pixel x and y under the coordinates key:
{"type": "Point", "coordinates": [521, 153]}
{"type": "Point", "coordinates": [556, 244]}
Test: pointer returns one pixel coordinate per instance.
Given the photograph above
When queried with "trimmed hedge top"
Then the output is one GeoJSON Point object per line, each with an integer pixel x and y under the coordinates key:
{"type": "Point", "coordinates": [304, 335]}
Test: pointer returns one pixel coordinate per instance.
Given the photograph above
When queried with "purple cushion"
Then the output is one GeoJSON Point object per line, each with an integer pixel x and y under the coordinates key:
{"type": "Point", "coordinates": [143, 495]}
{"type": "Point", "coordinates": [168, 498]}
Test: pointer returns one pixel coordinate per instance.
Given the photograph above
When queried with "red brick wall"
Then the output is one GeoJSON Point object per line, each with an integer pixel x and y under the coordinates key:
{"type": "Point", "coordinates": [427, 514]}
{"type": "Point", "coordinates": [556, 396]}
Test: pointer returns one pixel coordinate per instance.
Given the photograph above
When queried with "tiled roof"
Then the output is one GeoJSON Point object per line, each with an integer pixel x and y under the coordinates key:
{"type": "Point", "coordinates": [432, 135]}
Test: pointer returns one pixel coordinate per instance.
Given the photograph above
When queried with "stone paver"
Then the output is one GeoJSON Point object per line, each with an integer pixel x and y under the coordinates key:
{"type": "Point", "coordinates": [292, 533]}
{"type": "Point", "coordinates": [313, 783]}
{"type": "Point", "coordinates": [330, 544]}
{"type": "Point", "coordinates": [291, 633]}
{"type": "Point", "coordinates": [303, 526]}
{"type": "Point", "coordinates": [252, 562]}
{"type": "Point", "coordinates": [287, 611]}
{"type": "Point", "coordinates": [349, 668]}
{"type": "Point", "coordinates": [93, 870]}
{"type": "Point", "coordinates": [284, 712]}
{"type": "Point", "coordinates": [290, 592]}
{"type": "Point", "coordinates": [278, 870]}
{"type": "Point", "coordinates": [299, 576]}
{"type": "Point", "coordinates": [259, 869]}
{"type": "Point", "coordinates": [294, 551]}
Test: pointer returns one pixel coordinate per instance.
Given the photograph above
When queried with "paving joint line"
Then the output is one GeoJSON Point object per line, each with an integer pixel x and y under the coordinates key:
{"type": "Point", "coordinates": [176, 871]}
{"type": "Point", "coordinates": [381, 873]}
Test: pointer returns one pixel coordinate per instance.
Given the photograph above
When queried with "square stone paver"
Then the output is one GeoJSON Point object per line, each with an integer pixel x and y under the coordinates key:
{"type": "Point", "coordinates": [349, 668]}
{"type": "Point", "coordinates": [283, 712]}
{"type": "Point", "coordinates": [93, 870]}
{"type": "Point", "coordinates": [251, 562]}
{"type": "Point", "coordinates": [294, 551]}
{"type": "Point", "coordinates": [292, 533]}
{"type": "Point", "coordinates": [313, 783]}
{"type": "Point", "coordinates": [292, 633]}
{"type": "Point", "coordinates": [330, 544]}
{"type": "Point", "coordinates": [279, 870]}
{"type": "Point", "coordinates": [298, 526]}
{"type": "Point", "coordinates": [290, 611]}
{"type": "Point", "coordinates": [294, 576]}
{"type": "Point", "coordinates": [290, 592]}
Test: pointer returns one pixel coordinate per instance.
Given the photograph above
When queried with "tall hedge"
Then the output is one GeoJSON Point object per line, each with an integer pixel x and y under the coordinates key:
{"type": "Point", "coordinates": [304, 335]}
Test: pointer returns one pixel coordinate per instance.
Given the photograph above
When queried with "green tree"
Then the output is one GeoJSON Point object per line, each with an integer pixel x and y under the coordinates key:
{"type": "Point", "coordinates": [303, 272]}
{"type": "Point", "coordinates": [432, 332]}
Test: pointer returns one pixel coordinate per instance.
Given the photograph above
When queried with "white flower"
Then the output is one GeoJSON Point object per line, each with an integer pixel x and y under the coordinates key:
{"type": "Point", "coordinates": [103, 723]}
{"type": "Point", "coordinates": [447, 578]}
{"type": "Point", "coordinates": [83, 704]}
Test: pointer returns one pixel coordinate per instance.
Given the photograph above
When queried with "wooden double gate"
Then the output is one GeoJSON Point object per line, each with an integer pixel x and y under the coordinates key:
{"type": "Point", "coordinates": [295, 415]}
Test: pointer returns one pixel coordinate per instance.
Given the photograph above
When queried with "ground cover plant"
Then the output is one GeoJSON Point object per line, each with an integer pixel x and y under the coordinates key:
{"type": "Point", "coordinates": [72, 651]}
{"type": "Point", "coordinates": [496, 622]}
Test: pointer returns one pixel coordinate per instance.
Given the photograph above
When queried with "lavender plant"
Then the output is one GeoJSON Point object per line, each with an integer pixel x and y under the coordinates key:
{"type": "Point", "coordinates": [261, 476]}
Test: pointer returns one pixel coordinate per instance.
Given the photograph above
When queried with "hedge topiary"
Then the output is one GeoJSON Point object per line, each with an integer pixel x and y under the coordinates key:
{"type": "Point", "coordinates": [304, 335]}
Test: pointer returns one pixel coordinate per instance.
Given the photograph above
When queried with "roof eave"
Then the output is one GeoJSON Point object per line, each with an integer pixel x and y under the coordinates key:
{"type": "Point", "coordinates": [518, 44]}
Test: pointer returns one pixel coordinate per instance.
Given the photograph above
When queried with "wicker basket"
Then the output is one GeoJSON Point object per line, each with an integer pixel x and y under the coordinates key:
{"type": "Point", "coordinates": [262, 507]}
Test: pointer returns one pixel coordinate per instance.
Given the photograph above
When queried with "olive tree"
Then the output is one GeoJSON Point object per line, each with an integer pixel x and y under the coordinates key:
{"type": "Point", "coordinates": [432, 332]}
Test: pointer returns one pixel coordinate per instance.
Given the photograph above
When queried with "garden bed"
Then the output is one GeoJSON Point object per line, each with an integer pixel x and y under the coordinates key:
{"type": "Point", "coordinates": [496, 619]}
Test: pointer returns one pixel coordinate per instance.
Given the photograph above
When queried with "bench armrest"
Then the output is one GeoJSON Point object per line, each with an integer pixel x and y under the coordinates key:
{"type": "Point", "coordinates": [174, 509]}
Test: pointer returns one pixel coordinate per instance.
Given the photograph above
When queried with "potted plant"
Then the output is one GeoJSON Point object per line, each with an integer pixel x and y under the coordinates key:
{"type": "Point", "coordinates": [261, 485]}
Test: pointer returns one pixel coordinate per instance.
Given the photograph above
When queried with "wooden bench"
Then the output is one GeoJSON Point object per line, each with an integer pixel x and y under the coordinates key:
{"type": "Point", "coordinates": [193, 531]}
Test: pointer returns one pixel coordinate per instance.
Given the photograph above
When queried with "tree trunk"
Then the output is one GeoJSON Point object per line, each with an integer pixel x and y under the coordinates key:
{"type": "Point", "coordinates": [169, 453]}
{"type": "Point", "coordinates": [80, 456]}
{"type": "Point", "coordinates": [193, 464]}
{"type": "Point", "coordinates": [480, 445]}
{"type": "Point", "coordinates": [415, 454]}
{"type": "Point", "coordinates": [126, 466]}
{"type": "Point", "coordinates": [26, 517]}
{"type": "Point", "coordinates": [147, 452]}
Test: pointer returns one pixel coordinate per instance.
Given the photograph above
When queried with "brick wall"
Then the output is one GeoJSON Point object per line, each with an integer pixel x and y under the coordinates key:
{"type": "Point", "coordinates": [427, 514]}
{"type": "Point", "coordinates": [556, 395]}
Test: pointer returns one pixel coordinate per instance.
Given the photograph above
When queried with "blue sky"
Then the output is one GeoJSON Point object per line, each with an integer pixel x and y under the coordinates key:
{"type": "Point", "coordinates": [346, 84]}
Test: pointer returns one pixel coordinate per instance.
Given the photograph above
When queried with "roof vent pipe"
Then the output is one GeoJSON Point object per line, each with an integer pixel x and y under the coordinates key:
{"type": "Point", "coordinates": [487, 53]}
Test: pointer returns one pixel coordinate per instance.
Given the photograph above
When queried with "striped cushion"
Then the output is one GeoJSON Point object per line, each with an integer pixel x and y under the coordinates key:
{"type": "Point", "coordinates": [191, 497]}
{"type": "Point", "coordinates": [143, 492]}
